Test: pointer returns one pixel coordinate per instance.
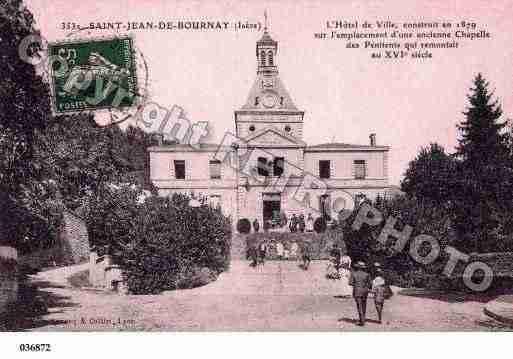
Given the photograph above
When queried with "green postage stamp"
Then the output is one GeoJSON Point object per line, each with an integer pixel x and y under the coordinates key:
{"type": "Point", "coordinates": [93, 74]}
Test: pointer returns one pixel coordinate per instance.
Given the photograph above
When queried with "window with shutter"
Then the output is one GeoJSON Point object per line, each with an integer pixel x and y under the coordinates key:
{"type": "Point", "coordinates": [215, 169]}
{"type": "Point", "coordinates": [179, 169]}
{"type": "Point", "coordinates": [360, 169]}
{"type": "Point", "coordinates": [324, 169]}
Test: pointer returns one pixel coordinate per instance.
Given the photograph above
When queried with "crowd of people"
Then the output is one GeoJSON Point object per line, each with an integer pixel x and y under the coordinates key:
{"type": "Point", "coordinates": [276, 249]}
{"type": "Point", "coordinates": [299, 224]}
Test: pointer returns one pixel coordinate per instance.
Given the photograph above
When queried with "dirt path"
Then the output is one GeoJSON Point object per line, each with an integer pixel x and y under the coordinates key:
{"type": "Point", "coordinates": [279, 296]}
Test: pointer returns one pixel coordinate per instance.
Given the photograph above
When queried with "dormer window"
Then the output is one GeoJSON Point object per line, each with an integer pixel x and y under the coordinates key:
{"type": "Point", "coordinates": [281, 101]}
{"type": "Point", "coordinates": [257, 101]}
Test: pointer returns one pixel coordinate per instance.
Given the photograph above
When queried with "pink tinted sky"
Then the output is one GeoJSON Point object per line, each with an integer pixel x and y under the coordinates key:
{"type": "Point", "coordinates": [345, 94]}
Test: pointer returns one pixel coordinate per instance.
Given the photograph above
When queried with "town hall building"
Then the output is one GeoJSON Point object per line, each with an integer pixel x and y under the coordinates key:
{"type": "Point", "coordinates": [270, 126]}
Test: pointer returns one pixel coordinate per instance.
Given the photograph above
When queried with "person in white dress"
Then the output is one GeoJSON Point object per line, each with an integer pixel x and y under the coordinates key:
{"type": "Point", "coordinates": [309, 223]}
{"type": "Point", "coordinates": [345, 265]}
{"type": "Point", "coordinates": [294, 248]}
{"type": "Point", "coordinates": [280, 250]}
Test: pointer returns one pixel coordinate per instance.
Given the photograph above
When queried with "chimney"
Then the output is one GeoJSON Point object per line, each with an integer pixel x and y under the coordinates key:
{"type": "Point", "coordinates": [372, 138]}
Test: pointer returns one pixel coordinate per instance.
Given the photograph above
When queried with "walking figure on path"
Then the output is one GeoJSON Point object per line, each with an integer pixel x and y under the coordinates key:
{"type": "Point", "coordinates": [360, 280]}
{"type": "Point", "coordinates": [262, 250]}
{"type": "Point", "coordinates": [378, 288]}
{"type": "Point", "coordinates": [253, 255]}
{"type": "Point", "coordinates": [306, 254]}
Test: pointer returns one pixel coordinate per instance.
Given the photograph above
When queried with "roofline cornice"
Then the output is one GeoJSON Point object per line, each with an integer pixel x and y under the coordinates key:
{"type": "Point", "coordinates": [269, 112]}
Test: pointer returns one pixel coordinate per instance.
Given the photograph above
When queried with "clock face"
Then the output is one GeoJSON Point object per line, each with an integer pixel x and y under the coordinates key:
{"type": "Point", "coordinates": [267, 83]}
{"type": "Point", "coordinates": [269, 100]}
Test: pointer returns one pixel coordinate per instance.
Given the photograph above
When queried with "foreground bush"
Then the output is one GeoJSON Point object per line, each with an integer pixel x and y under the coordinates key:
{"type": "Point", "coordinates": [174, 245]}
{"type": "Point", "coordinates": [160, 243]}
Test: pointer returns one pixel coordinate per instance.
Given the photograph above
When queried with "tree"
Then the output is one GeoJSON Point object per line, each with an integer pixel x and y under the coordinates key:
{"type": "Point", "coordinates": [430, 175]}
{"type": "Point", "coordinates": [24, 112]}
{"type": "Point", "coordinates": [484, 172]}
{"type": "Point", "coordinates": [482, 141]}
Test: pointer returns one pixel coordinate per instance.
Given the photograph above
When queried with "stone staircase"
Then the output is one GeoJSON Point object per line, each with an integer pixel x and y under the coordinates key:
{"type": "Point", "coordinates": [275, 277]}
{"type": "Point", "coordinates": [238, 247]}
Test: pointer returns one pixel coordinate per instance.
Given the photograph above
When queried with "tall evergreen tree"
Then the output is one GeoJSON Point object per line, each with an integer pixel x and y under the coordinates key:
{"type": "Point", "coordinates": [483, 141]}
{"type": "Point", "coordinates": [484, 173]}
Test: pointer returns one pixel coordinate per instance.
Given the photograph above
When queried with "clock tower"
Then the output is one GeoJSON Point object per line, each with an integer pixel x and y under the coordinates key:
{"type": "Point", "coordinates": [269, 104]}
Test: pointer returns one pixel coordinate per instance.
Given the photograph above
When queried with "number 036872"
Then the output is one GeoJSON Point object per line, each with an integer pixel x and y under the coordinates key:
{"type": "Point", "coordinates": [35, 348]}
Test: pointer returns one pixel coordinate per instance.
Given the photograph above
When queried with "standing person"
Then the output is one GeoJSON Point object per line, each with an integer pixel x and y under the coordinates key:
{"type": "Point", "coordinates": [253, 255]}
{"type": "Point", "coordinates": [336, 254]}
{"type": "Point", "coordinates": [262, 250]}
{"type": "Point", "coordinates": [293, 250]}
{"type": "Point", "coordinates": [280, 250]}
{"type": "Point", "coordinates": [306, 254]}
{"type": "Point", "coordinates": [309, 223]}
{"type": "Point", "coordinates": [301, 222]}
{"type": "Point", "coordinates": [345, 265]}
{"type": "Point", "coordinates": [378, 288]}
{"type": "Point", "coordinates": [293, 223]}
{"type": "Point", "coordinates": [360, 280]}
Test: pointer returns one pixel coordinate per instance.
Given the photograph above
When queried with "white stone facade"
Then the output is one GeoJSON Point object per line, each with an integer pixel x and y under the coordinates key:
{"type": "Point", "coordinates": [269, 126]}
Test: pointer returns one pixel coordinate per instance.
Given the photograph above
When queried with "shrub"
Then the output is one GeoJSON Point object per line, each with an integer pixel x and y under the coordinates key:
{"type": "Point", "coordinates": [256, 225]}
{"type": "Point", "coordinates": [111, 217]}
{"type": "Point", "coordinates": [243, 225]}
{"type": "Point", "coordinates": [320, 225]}
{"type": "Point", "coordinates": [165, 244]}
{"type": "Point", "coordinates": [192, 277]}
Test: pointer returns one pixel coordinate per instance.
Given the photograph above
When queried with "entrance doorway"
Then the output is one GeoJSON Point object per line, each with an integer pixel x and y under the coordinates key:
{"type": "Point", "coordinates": [271, 207]}
{"type": "Point", "coordinates": [325, 206]}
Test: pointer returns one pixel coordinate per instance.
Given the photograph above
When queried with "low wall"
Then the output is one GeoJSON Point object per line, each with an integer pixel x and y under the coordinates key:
{"type": "Point", "coordinates": [72, 246]}
{"type": "Point", "coordinates": [103, 273]}
{"type": "Point", "coordinates": [8, 277]}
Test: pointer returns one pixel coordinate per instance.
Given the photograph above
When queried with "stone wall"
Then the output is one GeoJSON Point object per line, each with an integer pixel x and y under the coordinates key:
{"type": "Point", "coordinates": [74, 239]}
{"type": "Point", "coordinates": [72, 246]}
{"type": "Point", "coordinates": [103, 273]}
{"type": "Point", "coordinates": [8, 277]}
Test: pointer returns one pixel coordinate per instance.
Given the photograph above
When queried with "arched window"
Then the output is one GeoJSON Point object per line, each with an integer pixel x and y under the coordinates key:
{"type": "Point", "coordinates": [262, 58]}
{"type": "Point", "coordinates": [270, 60]}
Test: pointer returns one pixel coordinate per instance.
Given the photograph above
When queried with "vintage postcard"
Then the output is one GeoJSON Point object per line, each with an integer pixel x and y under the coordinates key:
{"type": "Point", "coordinates": [221, 166]}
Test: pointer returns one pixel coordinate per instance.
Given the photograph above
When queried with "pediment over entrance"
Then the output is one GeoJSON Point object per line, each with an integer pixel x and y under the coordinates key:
{"type": "Point", "coordinates": [273, 137]}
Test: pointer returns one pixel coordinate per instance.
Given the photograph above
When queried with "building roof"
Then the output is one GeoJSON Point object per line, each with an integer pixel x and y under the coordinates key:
{"type": "Point", "coordinates": [278, 89]}
{"type": "Point", "coordinates": [348, 146]}
{"type": "Point", "coordinates": [266, 39]}
{"type": "Point", "coordinates": [183, 147]}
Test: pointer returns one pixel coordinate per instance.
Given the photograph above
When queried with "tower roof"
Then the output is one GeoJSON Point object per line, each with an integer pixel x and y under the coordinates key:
{"type": "Point", "coordinates": [266, 39]}
{"type": "Point", "coordinates": [266, 85]}
{"type": "Point", "coordinates": [268, 92]}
